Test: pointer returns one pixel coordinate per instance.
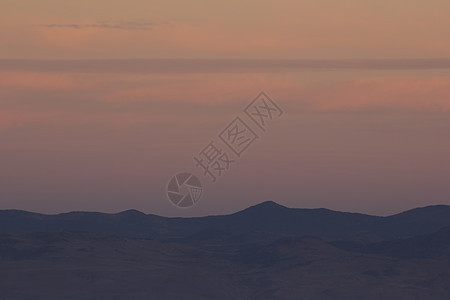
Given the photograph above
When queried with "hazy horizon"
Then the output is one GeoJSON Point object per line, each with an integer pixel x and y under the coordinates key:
{"type": "Point", "coordinates": [99, 108]}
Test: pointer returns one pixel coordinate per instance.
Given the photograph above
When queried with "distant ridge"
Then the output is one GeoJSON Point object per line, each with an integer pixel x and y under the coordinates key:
{"type": "Point", "coordinates": [267, 206]}
{"type": "Point", "coordinates": [269, 217]}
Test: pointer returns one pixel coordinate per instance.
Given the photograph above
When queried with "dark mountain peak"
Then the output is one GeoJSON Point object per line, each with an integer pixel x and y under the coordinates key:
{"type": "Point", "coordinates": [131, 212]}
{"type": "Point", "coordinates": [261, 211]}
{"type": "Point", "coordinates": [268, 217]}
{"type": "Point", "coordinates": [18, 213]}
{"type": "Point", "coordinates": [427, 208]}
{"type": "Point", "coordinates": [81, 214]}
{"type": "Point", "coordinates": [432, 211]}
{"type": "Point", "coordinates": [267, 205]}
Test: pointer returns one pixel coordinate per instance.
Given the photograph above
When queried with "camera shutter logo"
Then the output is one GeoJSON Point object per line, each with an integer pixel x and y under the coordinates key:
{"type": "Point", "coordinates": [184, 190]}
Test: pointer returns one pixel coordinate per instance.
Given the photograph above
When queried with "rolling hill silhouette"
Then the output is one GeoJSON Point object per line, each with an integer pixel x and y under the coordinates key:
{"type": "Point", "coordinates": [268, 217]}
{"type": "Point", "coordinates": [266, 251]}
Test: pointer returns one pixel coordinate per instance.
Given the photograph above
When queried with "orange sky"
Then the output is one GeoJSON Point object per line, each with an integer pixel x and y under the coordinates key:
{"type": "Point", "coordinates": [102, 101]}
{"type": "Point", "coordinates": [232, 29]}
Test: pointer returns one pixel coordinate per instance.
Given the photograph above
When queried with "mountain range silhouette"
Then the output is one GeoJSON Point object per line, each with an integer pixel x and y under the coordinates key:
{"type": "Point", "coordinates": [266, 251]}
{"type": "Point", "coordinates": [267, 217]}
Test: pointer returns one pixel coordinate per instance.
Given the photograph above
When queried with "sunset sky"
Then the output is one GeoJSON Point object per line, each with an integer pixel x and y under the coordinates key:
{"type": "Point", "coordinates": [102, 102]}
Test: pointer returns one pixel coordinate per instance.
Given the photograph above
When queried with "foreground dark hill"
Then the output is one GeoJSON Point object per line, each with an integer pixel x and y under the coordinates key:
{"type": "Point", "coordinates": [267, 217]}
{"type": "Point", "coordinates": [68, 265]}
{"type": "Point", "coordinates": [264, 252]}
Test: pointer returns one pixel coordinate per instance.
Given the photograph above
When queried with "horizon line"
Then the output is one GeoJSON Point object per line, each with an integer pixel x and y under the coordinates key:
{"type": "Point", "coordinates": [226, 214]}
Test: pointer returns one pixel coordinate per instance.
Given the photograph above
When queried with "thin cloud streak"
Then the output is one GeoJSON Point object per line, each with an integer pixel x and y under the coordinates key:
{"type": "Point", "coordinates": [128, 25]}
{"type": "Point", "coordinates": [153, 66]}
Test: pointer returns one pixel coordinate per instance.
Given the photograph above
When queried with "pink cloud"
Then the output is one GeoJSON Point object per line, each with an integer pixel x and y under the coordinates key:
{"type": "Point", "coordinates": [41, 81]}
{"type": "Point", "coordinates": [114, 98]}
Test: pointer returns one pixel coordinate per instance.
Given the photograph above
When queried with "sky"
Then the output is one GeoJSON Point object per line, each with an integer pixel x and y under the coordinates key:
{"type": "Point", "coordinates": [102, 102]}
